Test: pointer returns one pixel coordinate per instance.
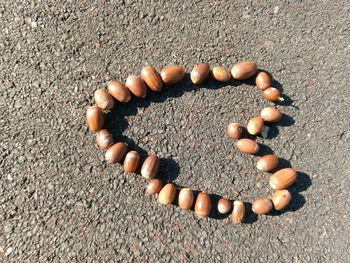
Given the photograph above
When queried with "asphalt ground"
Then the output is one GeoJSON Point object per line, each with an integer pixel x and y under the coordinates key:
{"type": "Point", "coordinates": [60, 201]}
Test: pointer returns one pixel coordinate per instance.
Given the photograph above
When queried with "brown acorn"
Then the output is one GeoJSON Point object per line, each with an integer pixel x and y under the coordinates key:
{"type": "Point", "coordinates": [199, 73]}
{"type": "Point", "coordinates": [172, 74]}
{"type": "Point", "coordinates": [154, 186]}
{"type": "Point", "coordinates": [221, 74]}
{"type": "Point", "coordinates": [255, 125]}
{"type": "Point", "coordinates": [271, 114]}
{"type": "Point", "coordinates": [167, 194]}
{"type": "Point", "coordinates": [203, 205]}
{"type": "Point", "coordinates": [152, 78]}
{"type": "Point", "coordinates": [267, 163]}
{"type": "Point", "coordinates": [262, 80]}
{"type": "Point", "coordinates": [224, 206]}
{"type": "Point", "coordinates": [131, 162]}
{"type": "Point", "coordinates": [272, 94]}
{"type": "Point", "coordinates": [119, 91]}
{"type": "Point", "coordinates": [238, 212]}
{"type": "Point", "coordinates": [104, 139]}
{"type": "Point", "coordinates": [150, 167]}
{"type": "Point", "coordinates": [262, 206]}
{"type": "Point", "coordinates": [186, 199]}
{"type": "Point", "coordinates": [244, 70]}
{"type": "Point", "coordinates": [116, 152]}
{"type": "Point", "coordinates": [283, 178]}
{"type": "Point", "coordinates": [281, 199]}
{"type": "Point", "coordinates": [103, 99]}
{"type": "Point", "coordinates": [234, 130]}
{"type": "Point", "coordinates": [248, 146]}
{"type": "Point", "coordinates": [95, 118]}
{"type": "Point", "coordinates": [136, 86]}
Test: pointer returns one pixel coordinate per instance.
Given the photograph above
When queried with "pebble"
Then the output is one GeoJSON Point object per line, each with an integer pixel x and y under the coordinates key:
{"type": "Point", "coordinates": [8, 251]}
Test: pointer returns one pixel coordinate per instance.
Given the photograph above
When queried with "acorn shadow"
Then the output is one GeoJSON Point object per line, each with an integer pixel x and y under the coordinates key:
{"type": "Point", "coordinates": [250, 216]}
{"type": "Point", "coordinates": [263, 150]}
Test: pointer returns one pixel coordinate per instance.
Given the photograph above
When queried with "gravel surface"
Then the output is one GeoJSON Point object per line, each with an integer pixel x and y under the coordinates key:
{"type": "Point", "coordinates": [60, 201]}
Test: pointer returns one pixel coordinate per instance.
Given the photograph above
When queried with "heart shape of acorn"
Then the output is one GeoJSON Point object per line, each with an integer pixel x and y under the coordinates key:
{"type": "Point", "coordinates": [116, 152]}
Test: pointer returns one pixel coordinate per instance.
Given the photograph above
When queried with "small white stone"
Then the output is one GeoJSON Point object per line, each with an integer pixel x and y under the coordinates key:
{"type": "Point", "coordinates": [265, 131]}
{"type": "Point", "coordinates": [277, 8]}
{"type": "Point", "coordinates": [8, 251]}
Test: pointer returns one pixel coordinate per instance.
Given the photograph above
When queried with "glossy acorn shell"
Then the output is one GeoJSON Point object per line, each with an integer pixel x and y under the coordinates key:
{"type": "Point", "coordinates": [248, 146]}
{"type": "Point", "coordinates": [221, 74]}
{"type": "Point", "coordinates": [283, 178]}
{"type": "Point", "coordinates": [119, 91]}
{"type": "Point", "coordinates": [262, 81]}
{"type": "Point", "coordinates": [255, 125]}
{"type": "Point", "coordinates": [262, 206]}
{"type": "Point", "coordinates": [104, 139]}
{"type": "Point", "coordinates": [281, 199]}
{"type": "Point", "coordinates": [154, 186]}
{"type": "Point", "coordinates": [203, 205]}
{"type": "Point", "coordinates": [271, 114]}
{"type": "Point", "coordinates": [150, 167]}
{"type": "Point", "coordinates": [116, 152]}
{"type": "Point", "coordinates": [234, 130]}
{"type": "Point", "coordinates": [200, 73]}
{"type": "Point", "coordinates": [224, 206]}
{"type": "Point", "coordinates": [95, 118]}
{"type": "Point", "coordinates": [244, 70]}
{"type": "Point", "coordinates": [136, 86]}
{"type": "Point", "coordinates": [103, 99]}
{"type": "Point", "coordinates": [131, 162]}
{"type": "Point", "coordinates": [167, 194]}
{"type": "Point", "coordinates": [267, 163]}
{"type": "Point", "coordinates": [152, 78]}
{"type": "Point", "coordinates": [238, 212]}
{"type": "Point", "coordinates": [172, 74]}
{"type": "Point", "coordinates": [186, 199]}
{"type": "Point", "coordinates": [271, 94]}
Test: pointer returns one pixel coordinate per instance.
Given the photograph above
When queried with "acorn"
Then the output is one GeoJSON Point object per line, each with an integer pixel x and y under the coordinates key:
{"type": "Point", "coordinates": [262, 206]}
{"type": "Point", "coordinates": [186, 199]}
{"type": "Point", "coordinates": [131, 162]}
{"type": "Point", "coordinates": [272, 94]}
{"type": "Point", "coordinates": [221, 74]}
{"type": "Point", "coordinates": [267, 163]}
{"type": "Point", "coordinates": [224, 206]}
{"type": "Point", "coordinates": [255, 125]}
{"type": "Point", "coordinates": [172, 74]}
{"type": "Point", "coordinates": [154, 186]}
{"type": "Point", "coordinates": [152, 78]}
{"type": "Point", "coordinates": [244, 70]}
{"type": "Point", "coordinates": [271, 114]}
{"type": "Point", "coordinates": [150, 166]}
{"type": "Point", "coordinates": [104, 139]}
{"type": "Point", "coordinates": [103, 99]}
{"type": "Point", "coordinates": [262, 80]}
{"type": "Point", "coordinates": [95, 118]}
{"type": "Point", "coordinates": [167, 194]}
{"type": "Point", "coordinates": [283, 178]}
{"type": "Point", "coordinates": [116, 152]}
{"type": "Point", "coordinates": [234, 130]}
{"type": "Point", "coordinates": [119, 91]}
{"type": "Point", "coordinates": [203, 205]}
{"type": "Point", "coordinates": [248, 146]}
{"type": "Point", "coordinates": [281, 199]}
{"type": "Point", "coordinates": [238, 211]}
{"type": "Point", "coordinates": [200, 73]}
{"type": "Point", "coordinates": [136, 86]}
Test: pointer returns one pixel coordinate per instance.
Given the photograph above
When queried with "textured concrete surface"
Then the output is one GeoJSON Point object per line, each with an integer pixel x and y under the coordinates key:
{"type": "Point", "coordinates": [59, 200]}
